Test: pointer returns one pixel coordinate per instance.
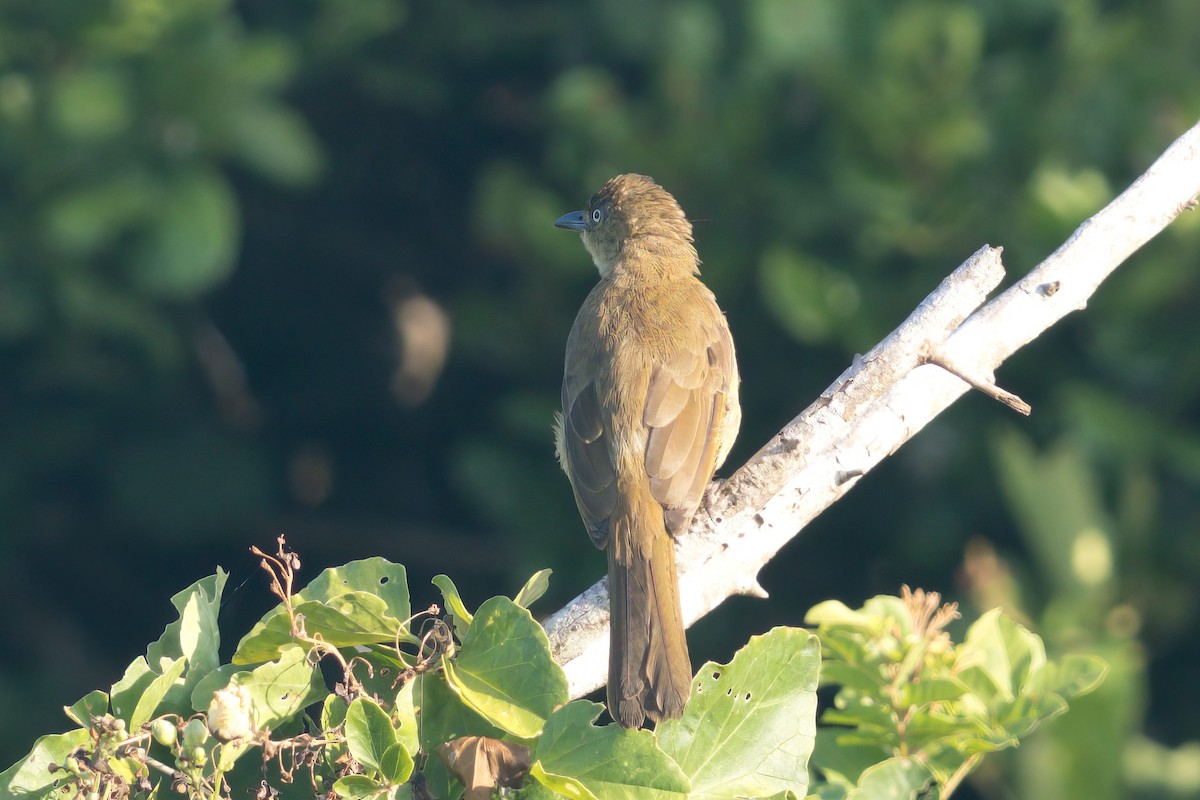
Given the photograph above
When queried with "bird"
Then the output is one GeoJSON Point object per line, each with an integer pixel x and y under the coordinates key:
{"type": "Point", "coordinates": [649, 411]}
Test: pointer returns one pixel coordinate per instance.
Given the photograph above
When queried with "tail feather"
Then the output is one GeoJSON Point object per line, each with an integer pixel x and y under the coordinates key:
{"type": "Point", "coordinates": [650, 673]}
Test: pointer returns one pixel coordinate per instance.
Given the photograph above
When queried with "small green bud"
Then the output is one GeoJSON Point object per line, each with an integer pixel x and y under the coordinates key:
{"type": "Point", "coordinates": [197, 756]}
{"type": "Point", "coordinates": [195, 733]}
{"type": "Point", "coordinates": [164, 732]}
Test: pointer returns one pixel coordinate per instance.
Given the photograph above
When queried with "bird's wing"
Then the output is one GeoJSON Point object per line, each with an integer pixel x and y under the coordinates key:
{"type": "Point", "coordinates": [583, 450]}
{"type": "Point", "coordinates": [684, 414]}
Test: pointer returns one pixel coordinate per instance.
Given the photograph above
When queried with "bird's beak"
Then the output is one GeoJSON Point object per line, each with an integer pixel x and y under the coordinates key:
{"type": "Point", "coordinates": [572, 222]}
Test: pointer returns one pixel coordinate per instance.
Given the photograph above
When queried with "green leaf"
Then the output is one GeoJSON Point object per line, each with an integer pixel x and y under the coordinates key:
{"type": "Point", "coordinates": [560, 784]}
{"type": "Point", "coordinates": [375, 620]}
{"type": "Point", "coordinates": [191, 244]}
{"type": "Point", "coordinates": [893, 779]}
{"type": "Point", "coordinates": [154, 693]}
{"type": "Point", "coordinates": [281, 689]}
{"type": "Point", "coordinates": [404, 715]}
{"type": "Point", "coordinates": [333, 712]}
{"type": "Point", "coordinates": [396, 764]}
{"type": "Point", "coordinates": [1073, 675]}
{"type": "Point", "coordinates": [454, 604]}
{"type": "Point", "coordinates": [127, 691]}
{"type": "Point", "coordinates": [275, 141]}
{"type": "Point", "coordinates": [90, 104]}
{"type": "Point", "coordinates": [853, 676]}
{"type": "Point", "coordinates": [1007, 651]}
{"type": "Point", "coordinates": [357, 786]}
{"type": "Point", "coordinates": [607, 762]}
{"type": "Point", "coordinates": [369, 733]}
{"type": "Point", "coordinates": [86, 219]}
{"type": "Point", "coordinates": [749, 726]}
{"type": "Point", "coordinates": [29, 775]}
{"type": "Point", "coordinates": [504, 670]}
{"type": "Point", "coordinates": [534, 588]}
{"type": "Point", "coordinates": [835, 612]}
{"type": "Point", "coordinates": [841, 757]}
{"type": "Point", "coordinates": [195, 634]}
{"type": "Point", "coordinates": [931, 690]}
{"type": "Point", "coordinates": [217, 679]}
{"type": "Point", "coordinates": [92, 704]}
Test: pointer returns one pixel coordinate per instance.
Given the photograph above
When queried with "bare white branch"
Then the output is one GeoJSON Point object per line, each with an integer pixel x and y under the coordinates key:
{"type": "Point", "coordinates": [882, 400]}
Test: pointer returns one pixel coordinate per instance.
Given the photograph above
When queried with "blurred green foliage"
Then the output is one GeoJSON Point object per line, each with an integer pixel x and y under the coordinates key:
{"type": "Point", "coordinates": [215, 217]}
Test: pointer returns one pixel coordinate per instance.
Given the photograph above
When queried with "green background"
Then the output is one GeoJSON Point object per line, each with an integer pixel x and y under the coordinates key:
{"type": "Point", "coordinates": [290, 268]}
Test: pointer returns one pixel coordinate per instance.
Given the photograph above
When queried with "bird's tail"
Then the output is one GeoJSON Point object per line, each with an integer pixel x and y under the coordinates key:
{"type": "Point", "coordinates": [649, 671]}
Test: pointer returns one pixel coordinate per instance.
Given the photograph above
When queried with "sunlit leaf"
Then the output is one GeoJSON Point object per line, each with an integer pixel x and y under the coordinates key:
{"type": "Point", "coordinates": [504, 670]}
{"type": "Point", "coordinates": [749, 727]}
{"type": "Point", "coordinates": [609, 762]}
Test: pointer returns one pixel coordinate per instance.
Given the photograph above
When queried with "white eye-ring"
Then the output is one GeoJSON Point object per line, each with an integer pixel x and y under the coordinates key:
{"type": "Point", "coordinates": [596, 215]}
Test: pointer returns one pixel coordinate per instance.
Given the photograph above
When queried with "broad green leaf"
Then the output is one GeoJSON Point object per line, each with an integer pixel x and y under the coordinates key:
{"type": "Point", "coordinates": [154, 693]}
{"type": "Point", "coordinates": [396, 764]}
{"type": "Point", "coordinates": [191, 245]}
{"type": "Point", "coordinates": [894, 779]}
{"type": "Point", "coordinates": [610, 762]}
{"type": "Point", "coordinates": [357, 786]}
{"type": "Point", "coordinates": [1005, 649]}
{"type": "Point", "coordinates": [749, 726]}
{"type": "Point", "coordinates": [373, 576]}
{"type": "Point", "coordinates": [354, 618]}
{"type": "Point", "coordinates": [127, 691]}
{"type": "Point", "coordinates": [29, 775]}
{"type": "Point", "coordinates": [534, 588]}
{"type": "Point", "coordinates": [454, 604]}
{"type": "Point", "coordinates": [504, 670]}
{"type": "Point", "coordinates": [92, 704]}
{"type": "Point", "coordinates": [281, 689]}
{"type": "Point", "coordinates": [369, 732]}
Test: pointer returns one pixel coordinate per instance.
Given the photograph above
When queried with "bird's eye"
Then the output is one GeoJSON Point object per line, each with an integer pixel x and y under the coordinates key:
{"type": "Point", "coordinates": [596, 215]}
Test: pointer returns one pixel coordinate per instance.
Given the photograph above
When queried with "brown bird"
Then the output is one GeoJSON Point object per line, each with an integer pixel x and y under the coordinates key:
{"type": "Point", "coordinates": [650, 409]}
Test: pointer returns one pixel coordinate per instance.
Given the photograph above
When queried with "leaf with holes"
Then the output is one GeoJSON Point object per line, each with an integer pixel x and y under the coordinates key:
{"type": "Point", "coordinates": [385, 583]}
{"type": "Point", "coordinates": [279, 690]}
{"type": "Point", "coordinates": [749, 727]}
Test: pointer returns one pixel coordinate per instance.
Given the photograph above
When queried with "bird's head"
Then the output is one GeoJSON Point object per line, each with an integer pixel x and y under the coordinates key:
{"type": "Point", "coordinates": [630, 210]}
